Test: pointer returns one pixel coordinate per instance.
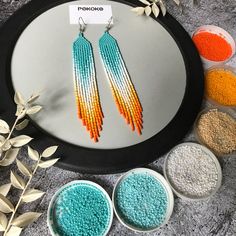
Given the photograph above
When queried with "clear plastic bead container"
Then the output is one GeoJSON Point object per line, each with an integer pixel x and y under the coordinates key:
{"type": "Point", "coordinates": [164, 184]}
{"type": "Point", "coordinates": [230, 111]}
{"type": "Point", "coordinates": [226, 68]}
{"type": "Point", "coordinates": [187, 196]}
{"type": "Point", "coordinates": [222, 33]}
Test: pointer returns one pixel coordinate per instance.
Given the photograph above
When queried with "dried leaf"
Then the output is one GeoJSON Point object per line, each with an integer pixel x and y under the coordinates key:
{"type": "Point", "coordinates": [177, 2]}
{"type": "Point", "coordinates": [148, 10]}
{"type": "Point", "coordinates": [22, 124]}
{"type": "Point", "coordinates": [3, 222]}
{"type": "Point", "coordinates": [17, 181]}
{"type": "Point", "coordinates": [32, 195]}
{"type": "Point", "coordinates": [20, 111]}
{"type": "Point", "coordinates": [4, 189]}
{"type": "Point", "coordinates": [6, 146]}
{"type": "Point", "coordinates": [23, 168]}
{"type": "Point", "coordinates": [33, 154]}
{"type": "Point", "coordinates": [138, 10]}
{"type": "Point", "coordinates": [20, 140]}
{"type": "Point", "coordinates": [145, 2]}
{"type": "Point", "coordinates": [5, 205]}
{"type": "Point", "coordinates": [18, 98]}
{"type": "Point", "coordinates": [26, 219]}
{"type": "Point", "coordinates": [163, 7]}
{"type": "Point", "coordinates": [4, 127]}
{"type": "Point", "coordinates": [49, 151]}
{"type": "Point", "coordinates": [46, 164]}
{"type": "Point", "coordinates": [33, 98]}
{"type": "Point", "coordinates": [2, 139]}
{"type": "Point", "coordinates": [14, 231]}
{"type": "Point", "coordinates": [155, 10]}
{"type": "Point", "coordinates": [33, 110]}
{"type": "Point", "coordinates": [9, 157]}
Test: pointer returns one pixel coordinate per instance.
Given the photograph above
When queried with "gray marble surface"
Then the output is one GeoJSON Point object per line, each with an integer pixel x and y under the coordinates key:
{"type": "Point", "coordinates": [216, 216]}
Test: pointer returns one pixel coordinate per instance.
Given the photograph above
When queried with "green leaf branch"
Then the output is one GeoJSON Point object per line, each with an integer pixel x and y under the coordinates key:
{"type": "Point", "coordinates": [152, 6]}
{"type": "Point", "coordinates": [9, 147]}
{"type": "Point", "coordinates": [15, 224]}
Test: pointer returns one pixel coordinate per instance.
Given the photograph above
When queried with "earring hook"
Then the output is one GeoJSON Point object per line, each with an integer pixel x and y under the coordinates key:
{"type": "Point", "coordinates": [109, 25]}
{"type": "Point", "coordinates": [81, 25]}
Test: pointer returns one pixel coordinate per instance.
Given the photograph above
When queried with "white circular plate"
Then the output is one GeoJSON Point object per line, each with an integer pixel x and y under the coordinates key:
{"type": "Point", "coordinates": [42, 61]}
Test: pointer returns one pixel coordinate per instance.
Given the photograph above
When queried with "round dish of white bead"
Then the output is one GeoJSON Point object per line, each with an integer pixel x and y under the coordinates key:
{"type": "Point", "coordinates": [193, 171]}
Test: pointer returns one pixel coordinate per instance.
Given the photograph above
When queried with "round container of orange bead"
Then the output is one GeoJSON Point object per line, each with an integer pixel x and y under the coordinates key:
{"type": "Point", "coordinates": [220, 85]}
{"type": "Point", "coordinates": [215, 45]}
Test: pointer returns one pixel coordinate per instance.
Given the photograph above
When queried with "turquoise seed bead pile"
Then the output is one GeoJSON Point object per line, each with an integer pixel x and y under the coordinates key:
{"type": "Point", "coordinates": [81, 210]}
{"type": "Point", "coordinates": [111, 56]}
{"type": "Point", "coordinates": [83, 60]}
{"type": "Point", "coordinates": [141, 201]}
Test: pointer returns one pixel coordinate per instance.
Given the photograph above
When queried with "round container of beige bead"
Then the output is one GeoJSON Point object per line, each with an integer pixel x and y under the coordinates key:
{"type": "Point", "coordinates": [193, 171]}
{"type": "Point", "coordinates": [216, 129]}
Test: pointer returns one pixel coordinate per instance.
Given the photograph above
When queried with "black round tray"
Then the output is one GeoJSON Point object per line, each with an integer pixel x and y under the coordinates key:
{"type": "Point", "coordinates": [101, 161]}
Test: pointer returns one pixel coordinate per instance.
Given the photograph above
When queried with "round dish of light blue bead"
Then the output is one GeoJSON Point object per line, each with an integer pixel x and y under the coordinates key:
{"type": "Point", "coordinates": [141, 201]}
{"type": "Point", "coordinates": [80, 208]}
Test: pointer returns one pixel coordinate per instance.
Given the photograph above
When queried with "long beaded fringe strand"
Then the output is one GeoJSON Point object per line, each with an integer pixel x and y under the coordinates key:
{"type": "Point", "coordinates": [86, 91]}
{"type": "Point", "coordinates": [123, 90]}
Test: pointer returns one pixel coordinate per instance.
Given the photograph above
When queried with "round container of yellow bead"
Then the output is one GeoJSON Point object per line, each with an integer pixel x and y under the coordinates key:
{"type": "Point", "coordinates": [220, 85]}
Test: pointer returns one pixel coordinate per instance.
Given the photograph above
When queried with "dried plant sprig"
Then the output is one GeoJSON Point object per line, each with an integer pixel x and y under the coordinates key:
{"type": "Point", "coordinates": [9, 147]}
{"type": "Point", "coordinates": [15, 225]}
{"type": "Point", "coordinates": [152, 6]}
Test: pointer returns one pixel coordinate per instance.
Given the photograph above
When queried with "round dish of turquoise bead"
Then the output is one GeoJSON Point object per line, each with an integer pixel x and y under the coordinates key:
{"type": "Point", "coordinates": [80, 208]}
{"type": "Point", "coordinates": [143, 200]}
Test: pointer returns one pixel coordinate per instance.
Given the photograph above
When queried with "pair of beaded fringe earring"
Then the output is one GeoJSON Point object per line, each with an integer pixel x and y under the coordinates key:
{"type": "Point", "coordinates": [86, 89]}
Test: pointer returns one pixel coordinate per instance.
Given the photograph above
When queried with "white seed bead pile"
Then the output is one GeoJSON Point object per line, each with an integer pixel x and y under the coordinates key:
{"type": "Point", "coordinates": [191, 171]}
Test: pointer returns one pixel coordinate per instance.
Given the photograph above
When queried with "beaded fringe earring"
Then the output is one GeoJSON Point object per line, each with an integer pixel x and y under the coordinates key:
{"type": "Point", "coordinates": [123, 90]}
{"type": "Point", "coordinates": [86, 91]}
